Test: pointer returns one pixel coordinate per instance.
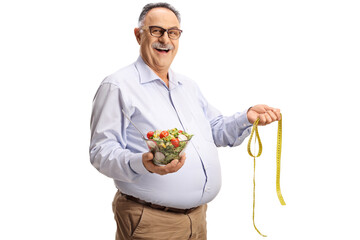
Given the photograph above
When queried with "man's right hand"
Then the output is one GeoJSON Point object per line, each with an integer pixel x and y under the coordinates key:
{"type": "Point", "coordinates": [173, 166]}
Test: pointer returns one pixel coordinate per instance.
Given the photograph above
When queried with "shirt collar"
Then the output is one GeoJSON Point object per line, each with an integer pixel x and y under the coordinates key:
{"type": "Point", "coordinates": [148, 75]}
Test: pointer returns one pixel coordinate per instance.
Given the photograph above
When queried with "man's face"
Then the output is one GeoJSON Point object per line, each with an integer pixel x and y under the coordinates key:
{"type": "Point", "coordinates": [153, 49]}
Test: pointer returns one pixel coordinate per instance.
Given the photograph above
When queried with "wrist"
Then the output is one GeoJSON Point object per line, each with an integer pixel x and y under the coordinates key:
{"type": "Point", "coordinates": [248, 115]}
{"type": "Point", "coordinates": [136, 163]}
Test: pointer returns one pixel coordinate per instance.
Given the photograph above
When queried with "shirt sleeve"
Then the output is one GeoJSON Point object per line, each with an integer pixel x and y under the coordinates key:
{"type": "Point", "coordinates": [230, 130]}
{"type": "Point", "coordinates": [226, 130]}
{"type": "Point", "coordinates": [108, 137]}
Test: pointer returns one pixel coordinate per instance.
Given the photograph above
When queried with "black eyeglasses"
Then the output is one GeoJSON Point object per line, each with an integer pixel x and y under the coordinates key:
{"type": "Point", "coordinates": [173, 33]}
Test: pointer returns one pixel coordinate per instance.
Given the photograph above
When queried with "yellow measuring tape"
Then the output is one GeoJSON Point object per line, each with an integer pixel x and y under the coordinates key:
{"type": "Point", "coordinates": [278, 160]}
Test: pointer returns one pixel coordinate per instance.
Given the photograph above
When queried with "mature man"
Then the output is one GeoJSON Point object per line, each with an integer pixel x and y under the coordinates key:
{"type": "Point", "coordinates": [162, 202]}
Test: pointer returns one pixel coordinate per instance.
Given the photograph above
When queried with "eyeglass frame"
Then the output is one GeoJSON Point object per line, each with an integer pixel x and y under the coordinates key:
{"type": "Point", "coordinates": [165, 30]}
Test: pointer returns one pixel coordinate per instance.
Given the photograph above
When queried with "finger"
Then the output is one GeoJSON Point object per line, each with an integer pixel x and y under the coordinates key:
{"type": "Point", "coordinates": [181, 162]}
{"type": "Point", "coordinates": [170, 167]}
{"type": "Point", "coordinates": [272, 115]}
{"type": "Point", "coordinates": [162, 170]}
{"type": "Point", "coordinates": [278, 114]}
{"type": "Point", "coordinates": [182, 158]}
{"type": "Point", "coordinates": [262, 119]}
{"type": "Point", "coordinates": [268, 118]}
{"type": "Point", "coordinates": [266, 107]}
{"type": "Point", "coordinates": [179, 165]}
{"type": "Point", "coordinates": [147, 161]}
{"type": "Point", "coordinates": [148, 156]}
{"type": "Point", "coordinates": [276, 111]}
{"type": "Point", "coordinates": [173, 164]}
{"type": "Point", "coordinates": [261, 108]}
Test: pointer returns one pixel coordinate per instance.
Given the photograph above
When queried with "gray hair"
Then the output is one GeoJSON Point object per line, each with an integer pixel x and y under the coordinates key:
{"type": "Point", "coordinates": [150, 6]}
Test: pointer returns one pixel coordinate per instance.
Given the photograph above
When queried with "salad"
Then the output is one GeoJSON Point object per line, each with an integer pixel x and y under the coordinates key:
{"type": "Point", "coordinates": [167, 145]}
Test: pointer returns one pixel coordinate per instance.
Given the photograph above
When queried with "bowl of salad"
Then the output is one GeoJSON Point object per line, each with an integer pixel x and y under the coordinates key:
{"type": "Point", "coordinates": [167, 145]}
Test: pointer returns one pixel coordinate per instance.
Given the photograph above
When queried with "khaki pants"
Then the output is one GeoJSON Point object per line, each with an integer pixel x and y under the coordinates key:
{"type": "Point", "coordinates": [137, 221]}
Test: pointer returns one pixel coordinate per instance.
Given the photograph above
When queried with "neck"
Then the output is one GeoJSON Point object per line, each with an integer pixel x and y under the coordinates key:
{"type": "Point", "coordinates": [164, 77]}
{"type": "Point", "coordinates": [162, 72]}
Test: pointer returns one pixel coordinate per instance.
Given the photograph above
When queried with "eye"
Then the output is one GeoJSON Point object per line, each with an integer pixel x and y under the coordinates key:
{"type": "Point", "coordinates": [173, 33]}
{"type": "Point", "coordinates": [157, 31]}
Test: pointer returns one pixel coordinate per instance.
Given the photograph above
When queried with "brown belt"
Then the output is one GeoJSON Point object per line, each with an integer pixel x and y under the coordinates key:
{"type": "Point", "coordinates": [158, 207]}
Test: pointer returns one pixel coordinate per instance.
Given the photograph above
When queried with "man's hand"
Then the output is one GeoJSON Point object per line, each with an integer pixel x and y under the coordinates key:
{"type": "Point", "coordinates": [172, 167]}
{"type": "Point", "coordinates": [266, 114]}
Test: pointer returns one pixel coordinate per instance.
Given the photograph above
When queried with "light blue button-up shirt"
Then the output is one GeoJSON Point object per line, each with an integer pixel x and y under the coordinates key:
{"type": "Point", "coordinates": [116, 147]}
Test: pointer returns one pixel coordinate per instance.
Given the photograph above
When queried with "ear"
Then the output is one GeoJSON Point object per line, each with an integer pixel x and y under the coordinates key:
{"type": "Point", "coordinates": [137, 35]}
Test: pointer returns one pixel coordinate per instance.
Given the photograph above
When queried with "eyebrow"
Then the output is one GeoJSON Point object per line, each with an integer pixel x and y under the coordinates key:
{"type": "Point", "coordinates": [175, 27]}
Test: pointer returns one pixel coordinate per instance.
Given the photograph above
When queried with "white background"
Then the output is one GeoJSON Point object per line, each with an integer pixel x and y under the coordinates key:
{"type": "Point", "coordinates": [300, 56]}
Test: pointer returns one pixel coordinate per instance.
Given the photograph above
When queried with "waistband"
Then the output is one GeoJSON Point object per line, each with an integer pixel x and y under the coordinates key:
{"type": "Point", "coordinates": [158, 207]}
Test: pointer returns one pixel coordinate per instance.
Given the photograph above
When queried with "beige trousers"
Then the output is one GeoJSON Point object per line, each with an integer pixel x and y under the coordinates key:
{"type": "Point", "coordinates": [139, 222]}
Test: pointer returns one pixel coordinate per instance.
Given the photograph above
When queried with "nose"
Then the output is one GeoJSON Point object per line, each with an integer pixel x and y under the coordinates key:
{"type": "Point", "coordinates": [164, 38]}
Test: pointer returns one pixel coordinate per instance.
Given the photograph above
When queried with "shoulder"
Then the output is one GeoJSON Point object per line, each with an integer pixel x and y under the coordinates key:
{"type": "Point", "coordinates": [123, 77]}
{"type": "Point", "coordinates": [186, 81]}
{"type": "Point", "coordinates": [189, 86]}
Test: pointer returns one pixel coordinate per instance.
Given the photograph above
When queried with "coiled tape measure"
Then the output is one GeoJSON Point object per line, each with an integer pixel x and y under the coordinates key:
{"type": "Point", "coordinates": [278, 160]}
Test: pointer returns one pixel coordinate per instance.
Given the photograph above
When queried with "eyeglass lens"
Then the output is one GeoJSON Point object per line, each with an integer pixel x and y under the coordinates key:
{"type": "Point", "coordinates": [158, 32]}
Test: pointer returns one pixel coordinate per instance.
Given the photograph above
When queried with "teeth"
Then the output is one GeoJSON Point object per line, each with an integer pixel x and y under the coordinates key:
{"type": "Point", "coordinates": [163, 49]}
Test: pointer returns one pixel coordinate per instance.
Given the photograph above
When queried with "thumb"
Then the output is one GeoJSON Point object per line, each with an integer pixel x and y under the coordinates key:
{"type": "Point", "coordinates": [148, 156]}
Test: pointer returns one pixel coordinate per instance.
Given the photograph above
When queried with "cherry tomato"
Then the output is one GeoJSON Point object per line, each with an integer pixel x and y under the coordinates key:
{"type": "Point", "coordinates": [164, 134]}
{"type": "Point", "coordinates": [180, 131]}
{"type": "Point", "coordinates": [150, 134]}
{"type": "Point", "coordinates": [175, 142]}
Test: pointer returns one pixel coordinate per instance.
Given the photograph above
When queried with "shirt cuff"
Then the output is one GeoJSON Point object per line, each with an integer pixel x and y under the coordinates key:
{"type": "Point", "coordinates": [243, 121]}
{"type": "Point", "coordinates": [137, 165]}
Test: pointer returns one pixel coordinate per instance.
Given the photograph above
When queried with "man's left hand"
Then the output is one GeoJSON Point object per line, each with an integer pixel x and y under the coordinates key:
{"type": "Point", "coordinates": [266, 114]}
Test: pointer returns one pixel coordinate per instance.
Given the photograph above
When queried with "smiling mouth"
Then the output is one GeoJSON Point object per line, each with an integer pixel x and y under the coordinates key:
{"type": "Point", "coordinates": [162, 50]}
{"type": "Point", "coordinates": [161, 47]}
